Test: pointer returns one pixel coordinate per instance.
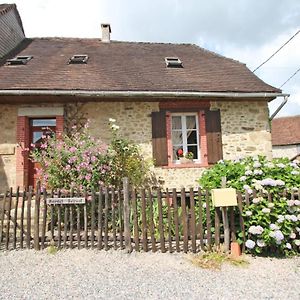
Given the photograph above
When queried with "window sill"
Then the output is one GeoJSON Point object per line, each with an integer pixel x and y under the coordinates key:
{"type": "Point", "coordinates": [185, 166]}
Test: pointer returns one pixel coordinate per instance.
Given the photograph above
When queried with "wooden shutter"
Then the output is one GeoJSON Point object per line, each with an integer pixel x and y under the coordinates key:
{"type": "Point", "coordinates": [159, 138]}
{"type": "Point", "coordinates": [214, 136]}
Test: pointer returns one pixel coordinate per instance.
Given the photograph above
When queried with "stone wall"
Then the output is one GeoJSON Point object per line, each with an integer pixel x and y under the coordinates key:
{"type": "Point", "coordinates": [245, 128]}
{"type": "Point", "coordinates": [245, 131]}
{"type": "Point", "coordinates": [289, 151]}
{"type": "Point", "coordinates": [8, 121]}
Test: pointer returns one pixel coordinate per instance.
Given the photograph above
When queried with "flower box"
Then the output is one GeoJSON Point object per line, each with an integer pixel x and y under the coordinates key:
{"type": "Point", "coordinates": [184, 160]}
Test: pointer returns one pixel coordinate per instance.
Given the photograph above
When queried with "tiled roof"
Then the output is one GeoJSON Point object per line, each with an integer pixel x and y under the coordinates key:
{"type": "Point", "coordinates": [286, 131]}
{"type": "Point", "coordinates": [4, 8]}
{"type": "Point", "coordinates": [126, 66]}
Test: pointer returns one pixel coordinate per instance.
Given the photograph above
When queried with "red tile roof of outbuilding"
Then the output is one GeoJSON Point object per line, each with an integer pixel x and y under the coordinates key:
{"type": "Point", "coordinates": [286, 131]}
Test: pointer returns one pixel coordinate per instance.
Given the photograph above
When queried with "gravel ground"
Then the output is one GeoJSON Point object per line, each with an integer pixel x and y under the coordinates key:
{"type": "Point", "coordinates": [88, 274]}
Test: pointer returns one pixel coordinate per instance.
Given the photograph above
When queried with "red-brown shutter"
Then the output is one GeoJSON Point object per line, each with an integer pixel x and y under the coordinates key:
{"type": "Point", "coordinates": [159, 138]}
{"type": "Point", "coordinates": [214, 136]}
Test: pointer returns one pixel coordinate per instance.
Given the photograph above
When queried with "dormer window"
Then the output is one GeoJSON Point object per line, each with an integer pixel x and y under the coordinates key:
{"type": "Point", "coordinates": [19, 60]}
{"type": "Point", "coordinates": [79, 59]}
{"type": "Point", "coordinates": [173, 62]}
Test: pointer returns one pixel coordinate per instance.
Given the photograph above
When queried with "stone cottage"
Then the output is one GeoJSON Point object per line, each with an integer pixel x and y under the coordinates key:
{"type": "Point", "coordinates": [168, 98]}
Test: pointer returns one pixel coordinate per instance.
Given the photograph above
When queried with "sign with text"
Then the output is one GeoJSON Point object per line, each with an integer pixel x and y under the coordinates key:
{"type": "Point", "coordinates": [224, 197]}
{"type": "Point", "coordinates": [66, 200]}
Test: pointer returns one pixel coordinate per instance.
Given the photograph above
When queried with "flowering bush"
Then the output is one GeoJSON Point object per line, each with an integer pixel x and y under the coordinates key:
{"type": "Point", "coordinates": [253, 173]}
{"type": "Point", "coordinates": [78, 160]}
{"type": "Point", "coordinates": [271, 227]}
{"type": "Point", "coordinates": [75, 160]}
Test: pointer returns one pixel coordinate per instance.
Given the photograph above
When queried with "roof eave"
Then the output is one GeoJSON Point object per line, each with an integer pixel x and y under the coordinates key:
{"type": "Point", "coordinates": [157, 94]}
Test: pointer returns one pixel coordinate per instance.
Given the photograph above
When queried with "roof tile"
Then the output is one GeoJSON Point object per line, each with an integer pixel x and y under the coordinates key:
{"type": "Point", "coordinates": [286, 131]}
{"type": "Point", "coordinates": [127, 66]}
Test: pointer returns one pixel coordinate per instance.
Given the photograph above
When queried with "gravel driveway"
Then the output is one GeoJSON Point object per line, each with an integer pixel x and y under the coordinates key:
{"type": "Point", "coordinates": [88, 274]}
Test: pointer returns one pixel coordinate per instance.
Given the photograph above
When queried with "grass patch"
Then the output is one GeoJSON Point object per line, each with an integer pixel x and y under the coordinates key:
{"type": "Point", "coordinates": [52, 249]}
{"type": "Point", "coordinates": [214, 260]}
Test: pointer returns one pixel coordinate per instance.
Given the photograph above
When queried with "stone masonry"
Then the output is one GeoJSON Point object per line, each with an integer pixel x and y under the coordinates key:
{"type": "Point", "coordinates": [8, 121]}
{"type": "Point", "coordinates": [245, 131]}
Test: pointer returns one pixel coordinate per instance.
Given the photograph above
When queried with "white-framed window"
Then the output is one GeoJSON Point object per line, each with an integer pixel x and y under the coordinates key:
{"type": "Point", "coordinates": [185, 135]}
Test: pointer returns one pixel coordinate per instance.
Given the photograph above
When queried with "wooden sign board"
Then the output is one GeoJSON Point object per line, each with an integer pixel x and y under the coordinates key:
{"type": "Point", "coordinates": [65, 201]}
{"type": "Point", "coordinates": [224, 197]}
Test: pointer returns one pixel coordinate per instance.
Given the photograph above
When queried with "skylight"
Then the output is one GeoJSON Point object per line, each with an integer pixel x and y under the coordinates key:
{"type": "Point", "coordinates": [173, 62]}
{"type": "Point", "coordinates": [19, 60]}
{"type": "Point", "coordinates": [79, 59]}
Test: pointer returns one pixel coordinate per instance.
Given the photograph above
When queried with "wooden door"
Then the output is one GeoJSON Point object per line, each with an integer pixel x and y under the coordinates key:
{"type": "Point", "coordinates": [39, 129]}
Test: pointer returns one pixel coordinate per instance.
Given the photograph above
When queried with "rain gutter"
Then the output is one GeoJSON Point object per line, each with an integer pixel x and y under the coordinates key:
{"type": "Point", "coordinates": [112, 94]}
{"type": "Point", "coordinates": [279, 107]}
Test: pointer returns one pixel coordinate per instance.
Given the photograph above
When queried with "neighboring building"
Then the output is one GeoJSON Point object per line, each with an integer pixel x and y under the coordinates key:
{"type": "Point", "coordinates": [286, 137]}
{"type": "Point", "coordinates": [165, 97]}
{"type": "Point", "coordinates": [11, 28]}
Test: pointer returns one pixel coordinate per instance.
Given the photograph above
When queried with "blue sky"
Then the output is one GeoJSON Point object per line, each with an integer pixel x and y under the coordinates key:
{"type": "Point", "coordinates": [246, 30]}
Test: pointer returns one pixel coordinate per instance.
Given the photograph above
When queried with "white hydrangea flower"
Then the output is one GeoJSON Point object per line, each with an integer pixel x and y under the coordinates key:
{"type": "Point", "coordinates": [257, 164]}
{"type": "Point", "coordinates": [280, 219]}
{"type": "Point", "coordinates": [258, 172]}
{"type": "Point", "coordinates": [243, 178]}
{"type": "Point", "coordinates": [274, 227]}
{"type": "Point", "coordinates": [256, 200]}
{"type": "Point", "coordinates": [261, 243]}
{"type": "Point", "coordinates": [278, 235]}
{"type": "Point", "coordinates": [266, 210]}
{"type": "Point", "coordinates": [248, 172]}
{"type": "Point", "coordinates": [271, 205]}
{"type": "Point", "coordinates": [297, 242]}
{"type": "Point", "coordinates": [250, 244]}
{"type": "Point", "coordinates": [249, 191]}
{"type": "Point", "coordinates": [256, 230]}
{"type": "Point", "coordinates": [252, 229]}
{"type": "Point", "coordinates": [297, 202]}
{"type": "Point", "coordinates": [295, 172]}
{"type": "Point", "coordinates": [280, 165]}
{"type": "Point", "coordinates": [248, 213]}
{"type": "Point", "coordinates": [290, 202]}
{"type": "Point", "coordinates": [270, 165]}
{"type": "Point", "coordinates": [293, 235]}
{"type": "Point", "coordinates": [259, 229]}
{"type": "Point", "coordinates": [293, 218]}
{"type": "Point", "coordinates": [279, 182]}
{"type": "Point", "coordinates": [288, 246]}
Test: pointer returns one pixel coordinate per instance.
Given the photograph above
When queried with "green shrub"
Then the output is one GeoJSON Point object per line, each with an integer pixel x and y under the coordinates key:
{"type": "Point", "coordinates": [271, 227]}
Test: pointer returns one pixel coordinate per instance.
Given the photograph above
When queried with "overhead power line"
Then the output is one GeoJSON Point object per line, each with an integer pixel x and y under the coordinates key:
{"type": "Point", "coordinates": [276, 52]}
{"type": "Point", "coordinates": [289, 78]}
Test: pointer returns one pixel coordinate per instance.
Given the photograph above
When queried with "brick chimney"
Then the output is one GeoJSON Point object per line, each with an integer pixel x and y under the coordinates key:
{"type": "Point", "coordinates": [105, 33]}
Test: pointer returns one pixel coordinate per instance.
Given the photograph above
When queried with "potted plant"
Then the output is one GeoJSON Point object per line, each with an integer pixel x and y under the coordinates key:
{"type": "Point", "coordinates": [185, 158]}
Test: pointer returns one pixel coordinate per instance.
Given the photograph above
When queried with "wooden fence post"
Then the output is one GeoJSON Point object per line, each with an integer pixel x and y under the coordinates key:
{"type": "Point", "coordinates": [225, 221]}
{"type": "Point", "coordinates": [126, 215]}
{"type": "Point", "coordinates": [37, 217]}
